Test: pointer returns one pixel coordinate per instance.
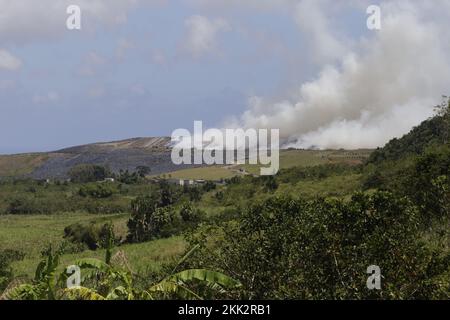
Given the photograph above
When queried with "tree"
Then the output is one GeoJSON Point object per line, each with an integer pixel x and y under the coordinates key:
{"type": "Point", "coordinates": [99, 191]}
{"type": "Point", "coordinates": [167, 195]}
{"type": "Point", "coordinates": [270, 183]}
{"type": "Point", "coordinates": [152, 217]}
{"type": "Point", "coordinates": [285, 248]}
{"type": "Point", "coordinates": [143, 171]}
{"type": "Point", "coordinates": [428, 185]}
{"type": "Point", "coordinates": [142, 208]}
{"type": "Point", "coordinates": [88, 173]}
{"type": "Point", "coordinates": [92, 235]}
{"type": "Point", "coordinates": [189, 214]}
{"type": "Point", "coordinates": [128, 178]}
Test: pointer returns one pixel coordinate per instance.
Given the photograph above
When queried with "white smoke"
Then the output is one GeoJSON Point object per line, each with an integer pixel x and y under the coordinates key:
{"type": "Point", "coordinates": [383, 85]}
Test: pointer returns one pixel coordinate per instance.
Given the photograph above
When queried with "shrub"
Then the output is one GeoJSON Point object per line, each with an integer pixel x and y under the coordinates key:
{"type": "Point", "coordinates": [6, 272]}
{"type": "Point", "coordinates": [84, 173]}
{"type": "Point", "coordinates": [88, 173]}
{"type": "Point", "coordinates": [285, 248]}
{"type": "Point", "coordinates": [98, 191]}
{"type": "Point", "coordinates": [128, 178]}
{"type": "Point", "coordinates": [209, 186]}
{"type": "Point", "coordinates": [91, 235]}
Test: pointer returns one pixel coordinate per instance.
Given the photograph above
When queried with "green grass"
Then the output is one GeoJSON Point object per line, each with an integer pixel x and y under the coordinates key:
{"type": "Point", "coordinates": [206, 173]}
{"type": "Point", "coordinates": [140, 257]}
{"type": "Point", "coordinates": [334, 186]}
{"type": "Point", "coordinates": [288, 159]}
{"type": "Point", "coordinates": [20, 164]}
{"type": "Point", "coordinates": [31, 234]}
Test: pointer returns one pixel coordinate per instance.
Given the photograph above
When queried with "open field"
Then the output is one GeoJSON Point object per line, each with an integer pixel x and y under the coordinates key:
{"type": "Point", "coordinates": [334, 186]}
{"type": "Point", "coordinates": [20, 164]}
{"type": "Point", "coordinates": [32, 233]}
{"type": "Point", "coordinates": [206, 173]}
{"type": "Point", "coordinates": [141, 257]}
{"type": "Point", "coordinates": [288, 159]}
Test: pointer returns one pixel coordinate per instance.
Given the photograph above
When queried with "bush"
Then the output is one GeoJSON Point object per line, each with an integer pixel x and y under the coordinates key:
{"type": "Point", "coordinates": [429, 183]}
{"type": "Point", "coordinates": [6, 272]}
{"type": "Point", "coordinates": [285, 248]}
{"type": "Point", "coordinates": [191, 215]}
{"type": "Point", "coordinates": [128, 178]}
{"type": "Point", "coordinates": [209, 186]}
{"type": "Point", "coordinates": [84, 173]}
{"type": "Point", "coordinates": [28, 205]}
{"type": "Point", "coordinates": [99, 191]}
{"type": "Point", "coordinates": [91, 235]}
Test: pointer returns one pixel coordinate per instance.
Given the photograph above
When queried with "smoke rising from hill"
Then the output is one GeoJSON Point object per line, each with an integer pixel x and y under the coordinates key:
{"type": "Point", "coordinates": [380, 88]}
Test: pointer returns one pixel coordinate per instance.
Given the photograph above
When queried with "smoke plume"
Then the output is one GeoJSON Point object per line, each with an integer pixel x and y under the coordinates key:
{"type": "Point", "coordinates": [382, 85]}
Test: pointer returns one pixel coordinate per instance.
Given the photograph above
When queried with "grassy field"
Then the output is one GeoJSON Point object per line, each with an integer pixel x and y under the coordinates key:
{"type": "Point", "coordinates": [32, 233]}
{"type": "Point", "coordinates": [288, 159]}
{"type": "Point", "coordinates": [206, 173]}
{"type": "Point", "coordinates": [334, 186]}
{"type": "Point", "coordinates": [141, 257]}
{"type": "Point", "coordinates": [20, 164]}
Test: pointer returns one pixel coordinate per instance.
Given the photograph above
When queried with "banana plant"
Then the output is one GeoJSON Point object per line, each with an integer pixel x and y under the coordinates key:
{"type": "Point", "coordinates": [114, 283]}
{"type": "Point", "coordinates": [45, 283]}
{"type": "Point", "coordinates": [176, 284]}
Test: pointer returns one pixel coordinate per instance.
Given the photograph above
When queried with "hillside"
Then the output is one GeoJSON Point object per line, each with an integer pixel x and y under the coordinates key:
{"type": "Point", "coordinates": [125, 154]}
{"type": "Point", "coordinates": [433, 131]}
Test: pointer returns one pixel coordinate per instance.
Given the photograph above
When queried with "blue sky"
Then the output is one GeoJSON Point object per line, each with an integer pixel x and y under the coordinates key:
{"type": "Point", "coordinates": [145, 68]}
{"type": "Point", "coordinates": [154, 86]}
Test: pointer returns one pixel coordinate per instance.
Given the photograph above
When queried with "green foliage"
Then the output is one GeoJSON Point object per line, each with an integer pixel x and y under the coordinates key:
{"type": "Point", "coordinates": [296, 174]}
{"type": "Point", "coordinates": [167, 194]}
{"type": "Point", "coordinates": [428, 185]}
{"type": "Point", "coordinates": [52, 198]}
{"type": "Point", "coordinates": [277, 247]}
{"type": "Point", "coordinates": [209, 186]}
{"type": "Point", "coordinates": [97, 190]}
{"type": "Point", "coordinates": [194, 193]}
{"type": "Point", "coordinates": [270, 183]}
{"type": "Point", "coordinates": [284, 248]}
{"type": "Point", "coordinates": [143, 171]}
{"type": "Point", "coordinates": [434, 131]}
{"type": "Point", "coordinates": [128, 178]}
{"type": "Point", "coordinates": [142, 209]}
{"type": "Point", "coordinates": [92, 235]}
{"type": "Point", "coordinates": [45, 285]}
{"type": "Point", "coordinates": [109, 282]}
{"type": "Point", "coordinates": [190, 214]}
{"type": "Point", "coordinates": [6, 272]}
{"type": "Point", "coordinates": [22, 205]}
{"type": "Point", "coordinates": [88, 173]}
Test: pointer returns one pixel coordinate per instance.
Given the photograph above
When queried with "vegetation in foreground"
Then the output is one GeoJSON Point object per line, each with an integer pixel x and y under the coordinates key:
{"type": "Point", "coordinates": [307, 233]}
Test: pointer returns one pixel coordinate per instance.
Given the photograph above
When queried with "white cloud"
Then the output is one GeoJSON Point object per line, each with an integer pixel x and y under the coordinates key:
{"type": "Point", "coordinates": [30, 20]}
{"type": "Point", "coordinates": [8, 61]}
{"type": "Point", "coordinates": [378, 90]}
{"type": "Point", "coordinates": [312, 18]}
{"type": "Point", "coordinates": [202, 33]}
{"type": "Point", "coordinates": [247, 4]}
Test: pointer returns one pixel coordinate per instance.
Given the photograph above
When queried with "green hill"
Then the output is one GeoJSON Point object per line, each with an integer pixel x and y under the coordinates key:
{"type": "Point", "coordinates": [433, 131]}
